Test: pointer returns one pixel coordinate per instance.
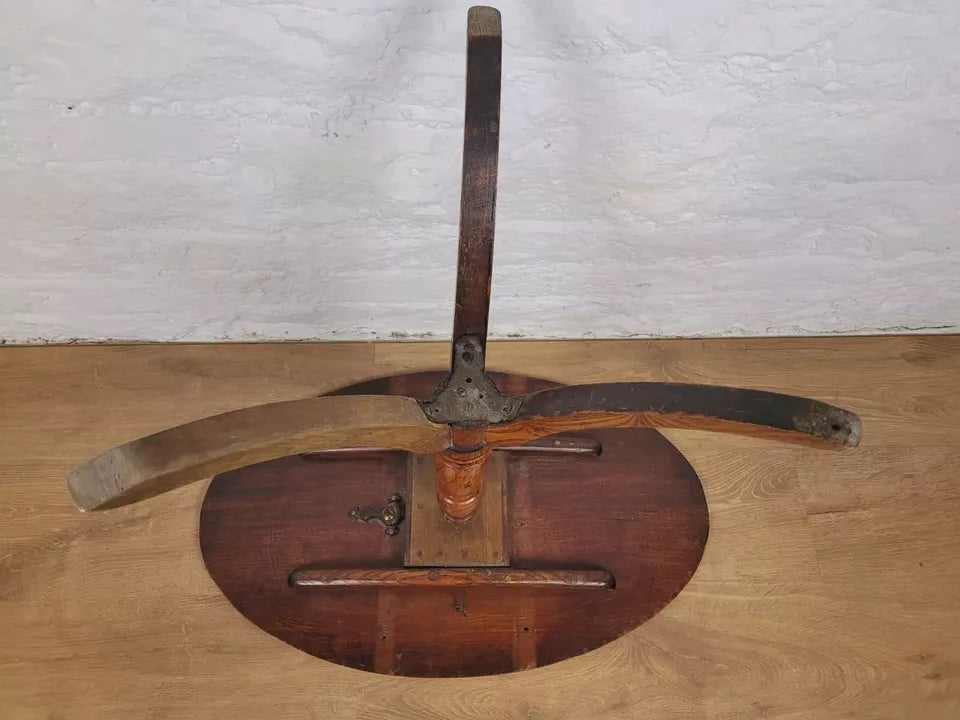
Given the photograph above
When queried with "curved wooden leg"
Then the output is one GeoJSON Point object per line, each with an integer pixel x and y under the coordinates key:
{"type": "Point", "coordinates": [754, 413]}
{"type": "Point", "coordinates": [188, 453]}
{"type": "Point", "coordinates": [478, 195]}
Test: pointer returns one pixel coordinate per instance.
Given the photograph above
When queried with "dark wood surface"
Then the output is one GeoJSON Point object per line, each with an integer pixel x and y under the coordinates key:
{"type": "Point", "coordinates": [637, 511]}
{"type": "Point", "coordinates": [478, 193]}
{"type": "Point", "coordinates": [498, 578]}
{"type": "Point", "coordinates": [770, 415]}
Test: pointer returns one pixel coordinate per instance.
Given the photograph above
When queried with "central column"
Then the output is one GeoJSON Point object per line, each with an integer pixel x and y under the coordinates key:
{"type": "Point", "coordinates": [460, 470]}
{"type": "Point", "coordinates": [460, 473]}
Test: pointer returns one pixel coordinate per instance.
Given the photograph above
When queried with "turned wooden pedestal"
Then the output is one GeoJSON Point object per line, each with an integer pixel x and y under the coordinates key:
{"type": "Point", "coordinates": [634, 512]}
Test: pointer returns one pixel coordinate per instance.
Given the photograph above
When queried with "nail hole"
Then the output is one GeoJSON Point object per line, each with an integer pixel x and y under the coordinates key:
{"type": "Point", "coordinates": [836, 427]}
{"type": "Point", "coordinates": [467, 357]}
{"type": "Point", "coordinates": [480, 396]}
{"type": "Point", "coordinates": [383, 637]}
{"type": "Point", "coordinates": [469, 380]}
{"type": "Point", "coordinates": [526, 629]}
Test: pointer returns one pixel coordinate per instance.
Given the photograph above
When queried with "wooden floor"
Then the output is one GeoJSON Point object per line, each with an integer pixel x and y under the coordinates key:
{"type": "Point", "coordinates": [830, 587]}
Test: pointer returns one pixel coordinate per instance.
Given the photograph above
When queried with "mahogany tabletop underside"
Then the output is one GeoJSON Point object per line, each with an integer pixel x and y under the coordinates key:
{"type": "Point", "coordinates": [637, 510]}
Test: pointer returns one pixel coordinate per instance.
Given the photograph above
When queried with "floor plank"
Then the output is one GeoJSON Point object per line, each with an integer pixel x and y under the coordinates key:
{"type": "Point", "coordinates": [830, 587]}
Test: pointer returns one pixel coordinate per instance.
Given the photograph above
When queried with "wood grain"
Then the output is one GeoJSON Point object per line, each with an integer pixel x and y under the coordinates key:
{"type": "Point", "coordinates": [829, 588]}
{"type": "Point", "coordinates": [478, 191]}
{"type": "Point", "coordinates": [459, 472]}
{"type": "Point", "coordinates": [459, 481]}
{"type": "Point", "coordinates": [492, 578]}
{"type": "Point", "coordinates": [168, 459]}
{"type": "Point", "coordinates": [680, 406]}
{"type": "Point", "coordinates": [635, 509]}
{"type": "Point", "coordinates": [483, 21]}
{"type": "Point", "coordinates": [434, 540]}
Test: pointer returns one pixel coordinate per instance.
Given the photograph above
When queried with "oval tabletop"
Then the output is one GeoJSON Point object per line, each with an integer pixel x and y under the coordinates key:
{"type": "Point", "coordinates": [636, 509]}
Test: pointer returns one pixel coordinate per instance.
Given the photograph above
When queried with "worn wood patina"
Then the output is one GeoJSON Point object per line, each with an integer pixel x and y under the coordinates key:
{"type": "Point", "coordinates": [324, 532]}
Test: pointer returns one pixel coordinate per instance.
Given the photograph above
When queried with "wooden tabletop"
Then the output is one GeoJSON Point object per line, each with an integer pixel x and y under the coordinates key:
{"type": "Point", "coordinates": [830, 587]}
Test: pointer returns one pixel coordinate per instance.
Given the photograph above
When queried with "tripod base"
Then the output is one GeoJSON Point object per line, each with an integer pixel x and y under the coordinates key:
{"type": "Point", "coordinates": [599, 542]}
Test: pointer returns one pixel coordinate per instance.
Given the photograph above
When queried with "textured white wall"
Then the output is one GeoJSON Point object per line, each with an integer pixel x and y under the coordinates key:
{"type": "Point", "coordinates": [247, 169]}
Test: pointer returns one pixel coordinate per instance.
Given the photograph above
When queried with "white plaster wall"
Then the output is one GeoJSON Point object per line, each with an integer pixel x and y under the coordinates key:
{"type": "Point", "coordinates": [288, 169]}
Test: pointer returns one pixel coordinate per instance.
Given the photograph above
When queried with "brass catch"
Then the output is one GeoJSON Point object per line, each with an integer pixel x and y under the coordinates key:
{"type": "Point", "coordinates": [389, 516]}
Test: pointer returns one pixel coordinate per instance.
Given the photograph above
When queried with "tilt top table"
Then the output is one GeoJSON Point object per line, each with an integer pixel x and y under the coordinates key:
{"type": "Point", "coordinates": [458, 523]}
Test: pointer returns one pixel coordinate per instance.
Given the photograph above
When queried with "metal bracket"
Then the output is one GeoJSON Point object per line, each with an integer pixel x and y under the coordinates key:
{"type": "Point", "coordinates": [389, 516]}
{"type": "Point", "coordinates": [467, 397]}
